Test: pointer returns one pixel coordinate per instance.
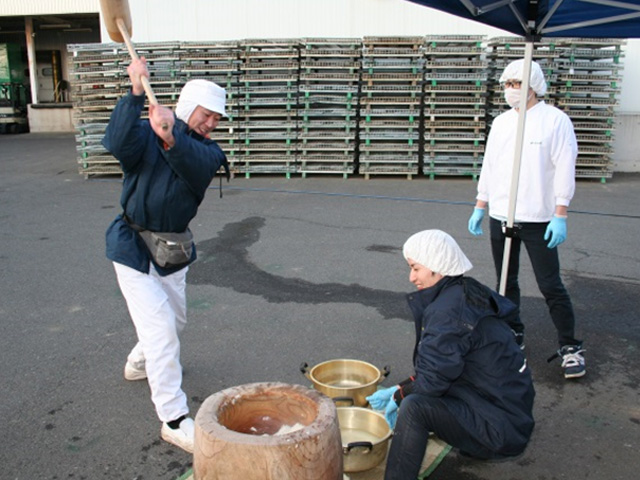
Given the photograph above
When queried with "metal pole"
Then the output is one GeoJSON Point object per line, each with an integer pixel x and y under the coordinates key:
{"type": "Point", "coordinates": [517, 157]}
{"type": "Point", "coordinates": [31, 56]}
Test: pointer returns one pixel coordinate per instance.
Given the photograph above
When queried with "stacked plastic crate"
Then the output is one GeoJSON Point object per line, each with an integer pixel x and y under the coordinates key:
{"type": "Point", "coordinates": [588, 86]}
{"type": "Point", "coordinates": [504, 50]}
{"type": "Point", "coordinates": [217, 62]}
{"type": "Point", "coordinates": [414, 99]}
{"type": "Point", "coordinates": [390, 106]}
{"type": "Point", "coordinates": [163, 62]}
{"type": "Point", "coordinates": [96, 85]}
{"type": "Point", "coordinates": [268, 106]}
{"type": "Point", "coordinates": [328, 94]}
{"type": "Point", "coordinates": [454, 105]}
{"type": "Point", "coordinates": [98, 79]}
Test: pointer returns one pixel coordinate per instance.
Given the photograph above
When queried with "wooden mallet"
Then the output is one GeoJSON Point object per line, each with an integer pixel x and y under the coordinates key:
{"type": "Point", "coordinates": [117, 19]}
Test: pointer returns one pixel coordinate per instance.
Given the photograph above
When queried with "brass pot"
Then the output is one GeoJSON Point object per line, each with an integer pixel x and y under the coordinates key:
{"type": "Point", "coordinates": [365, 438]}
{"type": "Point", "coordinates": [346, 381]}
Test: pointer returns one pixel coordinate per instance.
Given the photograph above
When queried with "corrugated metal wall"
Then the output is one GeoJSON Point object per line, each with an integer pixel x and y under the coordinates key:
{"type": "Point", "coordinates": [47, 7]}
{"type": "Point", "coordinates": [161, 20]}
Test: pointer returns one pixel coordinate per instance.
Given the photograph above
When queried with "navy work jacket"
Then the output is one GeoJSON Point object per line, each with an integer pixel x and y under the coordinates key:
{"type": "Point", "coordinates": [465, 351]}
{"type": "Point", "coordinates": [162, 189]}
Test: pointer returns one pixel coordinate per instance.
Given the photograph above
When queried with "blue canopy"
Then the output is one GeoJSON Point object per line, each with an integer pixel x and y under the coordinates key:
{"type": "Point", "coordinates": [534, 19]}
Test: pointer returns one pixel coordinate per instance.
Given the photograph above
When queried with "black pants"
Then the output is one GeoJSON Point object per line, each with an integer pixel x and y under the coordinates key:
{"type": "Point", "coordinates": [420, 414]}
{"type": "Point", "coordinates": [546, 267]}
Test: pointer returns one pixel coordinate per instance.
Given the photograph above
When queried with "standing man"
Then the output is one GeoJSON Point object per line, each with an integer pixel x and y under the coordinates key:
{"type": "Point", "coordinates": [168, 163]}
{"type": "Point", "coordinates": [546, 187]}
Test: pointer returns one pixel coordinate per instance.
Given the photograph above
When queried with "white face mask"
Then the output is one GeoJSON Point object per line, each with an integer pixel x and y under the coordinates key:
{"type": "Point", "coordinates": [512, 96]}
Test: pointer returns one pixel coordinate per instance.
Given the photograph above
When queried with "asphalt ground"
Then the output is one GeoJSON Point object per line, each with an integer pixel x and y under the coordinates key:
{"type": "Point", "coordinates": [289, 271]}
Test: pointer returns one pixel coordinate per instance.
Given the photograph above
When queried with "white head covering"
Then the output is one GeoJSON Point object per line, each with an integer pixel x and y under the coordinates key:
{"type": "Point", "coordinates": [200, 92]}
{"type": "Point", "coordinates": [515, 71]}
{"type": "Point", "coordinates": [437, 251]}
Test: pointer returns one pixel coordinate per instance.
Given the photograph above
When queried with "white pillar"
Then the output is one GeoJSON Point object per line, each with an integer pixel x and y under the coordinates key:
{"type": "Point", "coordinates": [31, 55]}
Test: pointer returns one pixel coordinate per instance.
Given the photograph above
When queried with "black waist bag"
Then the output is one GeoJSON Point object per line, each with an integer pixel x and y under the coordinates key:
{"type": "Point", "coordinates": [168, 249]}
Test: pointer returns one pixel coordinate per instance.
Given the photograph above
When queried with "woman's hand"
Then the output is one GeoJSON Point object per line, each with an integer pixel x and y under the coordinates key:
{"type": "Point", "coordinates": [379, 400]}
{"type": "Point", "coordinates": [391, 413]}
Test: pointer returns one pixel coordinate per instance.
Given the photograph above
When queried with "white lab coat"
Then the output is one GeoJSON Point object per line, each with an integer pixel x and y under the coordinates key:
{"type": "Point", "coordinates": [547, 169]}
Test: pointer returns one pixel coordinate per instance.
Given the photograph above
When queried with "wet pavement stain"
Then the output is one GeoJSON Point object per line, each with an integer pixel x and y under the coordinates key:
{"type": "Point", "coordinates": [79, 444]}
{"type": "Point", "coordinates": [383, 249]}
{"type": "Point", "coordinates": [601, 305]}
{"type": "Point", "coordinates": [224, 262]}
{"type": "Point", "coordinates": [198, 304]}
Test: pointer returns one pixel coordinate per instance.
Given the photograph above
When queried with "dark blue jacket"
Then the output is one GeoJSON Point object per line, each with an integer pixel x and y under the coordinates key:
{"type": "Point", "coordinates": [161, 189]}
{"type": "Point", "coordinates": [465, 351]}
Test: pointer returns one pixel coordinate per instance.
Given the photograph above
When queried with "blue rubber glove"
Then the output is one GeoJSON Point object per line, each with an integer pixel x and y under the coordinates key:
{"type": "Point", "coordinates": [391, 413]}
{"type": "Point", "coordinates": [557, 231]}
{"type": "Point", "coordinates": [380, 399]}
{"type": "Point", "coordinates": [475, 221]}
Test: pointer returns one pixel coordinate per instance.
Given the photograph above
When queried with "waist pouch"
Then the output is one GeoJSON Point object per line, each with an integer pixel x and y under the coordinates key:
{"type": "Point", "coordinates": [168, 249]}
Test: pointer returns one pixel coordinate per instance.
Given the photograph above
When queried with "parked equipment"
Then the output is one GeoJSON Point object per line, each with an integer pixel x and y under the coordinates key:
{"type": "Point", "coordinates": [14, 89]}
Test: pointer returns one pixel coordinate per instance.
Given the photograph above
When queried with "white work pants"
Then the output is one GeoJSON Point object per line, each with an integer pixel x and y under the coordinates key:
{"type": "Point", "coordinates": [158, 308]}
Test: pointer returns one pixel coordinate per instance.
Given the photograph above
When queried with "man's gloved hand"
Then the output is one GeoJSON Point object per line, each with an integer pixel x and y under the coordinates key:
{"type": "Point", "coordinates": [391, 413]}
{"type": "Point", "coordinates": [379, 400]}
{"type": "Point", "coordinates": [475, 221]}
{"type": "Point", "coordinates": [556, 231]}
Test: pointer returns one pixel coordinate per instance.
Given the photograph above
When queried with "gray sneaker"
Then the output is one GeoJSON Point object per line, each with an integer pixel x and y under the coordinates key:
{"type": "Point", "coordinates": [572, 361]}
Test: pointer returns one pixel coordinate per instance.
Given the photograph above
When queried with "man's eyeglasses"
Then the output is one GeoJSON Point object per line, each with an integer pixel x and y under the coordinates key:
{"type": "Point", "coordinates": [512, 84]}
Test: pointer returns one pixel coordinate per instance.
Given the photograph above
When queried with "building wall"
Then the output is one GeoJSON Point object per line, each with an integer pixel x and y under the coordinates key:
{"type": "Point", "coordinates": [189, 20]}
{"type": "Point", "coordinates": [626, 157]}
{"type": "Point", "coordinates": [47, 7]}
{"type": "Point", "coordinates": [57, 40]}
{"type": "Point", "coordinates": [627, 134]}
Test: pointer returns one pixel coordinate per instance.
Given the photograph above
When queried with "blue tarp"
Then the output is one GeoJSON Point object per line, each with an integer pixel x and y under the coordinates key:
{"type": "Point", "coordinates": [534, 19]}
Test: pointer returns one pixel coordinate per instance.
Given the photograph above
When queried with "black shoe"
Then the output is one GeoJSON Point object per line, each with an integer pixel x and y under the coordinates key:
{"type": "Point", "coordinates": [519, 338]}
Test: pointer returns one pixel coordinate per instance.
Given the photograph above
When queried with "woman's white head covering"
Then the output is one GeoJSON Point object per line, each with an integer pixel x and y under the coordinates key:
{"type": "Point", "coordinates": [437, 251]}
{"type": "Point", "coordinates": [515, 71]}
{"type": "Point", "coordinates": [200, 92]}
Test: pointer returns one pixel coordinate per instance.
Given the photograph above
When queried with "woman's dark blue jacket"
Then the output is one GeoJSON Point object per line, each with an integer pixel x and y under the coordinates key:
{"type": "Point", "coordinates": [465, 351]}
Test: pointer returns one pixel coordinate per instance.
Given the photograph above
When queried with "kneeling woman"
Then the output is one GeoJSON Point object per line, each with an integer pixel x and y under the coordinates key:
{"type": "Point", "coordinates": [471, 385]}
